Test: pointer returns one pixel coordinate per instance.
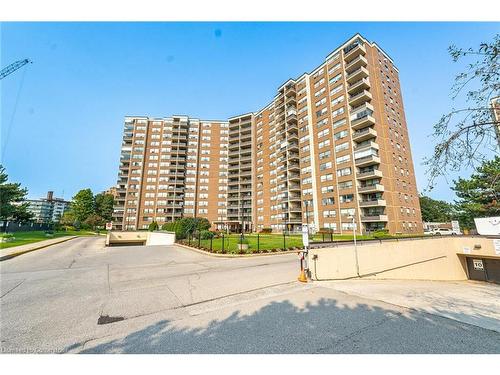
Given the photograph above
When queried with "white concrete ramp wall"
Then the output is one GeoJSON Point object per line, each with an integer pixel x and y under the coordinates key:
{"type": "Point", "coordinates": [160, 238]}
{"type": "Point", "coordinates": [140, 237]}
{"type": "Point", "coordinates": [418, 259]}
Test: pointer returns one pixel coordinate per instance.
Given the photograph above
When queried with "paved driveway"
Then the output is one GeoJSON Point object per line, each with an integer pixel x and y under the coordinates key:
{"type": "Point", "coordinates": [173, 300]}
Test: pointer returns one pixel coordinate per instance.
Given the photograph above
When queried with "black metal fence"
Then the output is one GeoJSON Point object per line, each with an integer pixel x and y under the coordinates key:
{"type": "Point", "coordinates": [12, 227]}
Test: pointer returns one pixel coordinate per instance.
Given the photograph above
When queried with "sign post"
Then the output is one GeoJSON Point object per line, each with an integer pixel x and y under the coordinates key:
{"type": "Point", "coordinates": [303, 253]}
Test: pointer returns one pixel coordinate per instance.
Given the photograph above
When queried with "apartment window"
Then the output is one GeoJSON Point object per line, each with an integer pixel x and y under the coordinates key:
{"type": "Point", "coordinates": [320, 102]}
{"type": "Point", "coordinates": [338, 112]}
{"type": "Point", "coordinates": [336, 90]}
{"type": "Point", "coordinates": [345, 185]}
{"type": "Point", "coordinates": [326, 177]}
{"type": "Point", "coordinates": [335, 79]}
{"type": "Point", "coordinates": [328, 201]}
{"type": "Point", "coordinates": [344, 172]}
{"type": "Point", "coordinates": [324, 144]}
{"type": "Point", "coordinates": [327, 189]}
{"type": "Point", "coordinates": [347, 211]}
{"type": "Point", "coordinates": [338, 100]}
{"type": "Point", "coordinates": [342, 147]}
{"type": "Point", "coordinates": [340, 135]}
{"type": "Point", "coordinates": [329, 213]}
{"type": "Point", "coordinates": [325, 166]}
{"type": "Point", "coordinates": [338, 123]}
{"type": "Point", "coordinates": [324, 155]}
{"type": "Point", "coordinates": [323, 133]}
{"type": "Point", "coordinates": [346, 198]}
{"type": "Point", "coordinates": [343, 159]}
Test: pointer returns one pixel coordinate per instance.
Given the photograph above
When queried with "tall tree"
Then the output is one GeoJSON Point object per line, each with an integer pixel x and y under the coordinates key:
{"type": "Point", "coordinates": [435, 210]}
{"type": "Point", "coordinates": [13, 205]}
{"type": "Point", "coordinates": [479, 196]}
{"type": "Point", "coordinates": [82, 205]}
{"type": "Point", "coordinates": [104, 206]}
{"type": "Point", "coordinates": [465, 135]}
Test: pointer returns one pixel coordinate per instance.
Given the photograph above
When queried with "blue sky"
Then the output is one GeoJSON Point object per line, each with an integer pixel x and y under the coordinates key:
{"type": "Point", "coordinates": [66, 132]}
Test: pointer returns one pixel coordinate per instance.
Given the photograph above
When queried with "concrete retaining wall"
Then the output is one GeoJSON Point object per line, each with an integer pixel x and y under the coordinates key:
{"type": "Point", "coordinates": [420, 259]}
{"type": "Point", "coordinates": [141, 238]}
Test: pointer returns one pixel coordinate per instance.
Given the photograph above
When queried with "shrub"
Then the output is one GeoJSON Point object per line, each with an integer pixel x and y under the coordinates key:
{"type": "Point", "coordinates": [381, 234]}
{"type": "Point", "coordinates": [266, 230]}
{"type": "Point", "coordinates": [206, 235]}
{"type": "Point", "coordinates": [153, 226]}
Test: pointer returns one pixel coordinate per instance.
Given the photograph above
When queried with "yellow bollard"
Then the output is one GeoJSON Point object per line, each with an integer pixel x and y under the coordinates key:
{"type": "Point", "coordinates": [302, 276]}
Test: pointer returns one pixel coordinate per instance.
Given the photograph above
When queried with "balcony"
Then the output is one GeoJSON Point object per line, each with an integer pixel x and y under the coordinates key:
{"type": "Point", "coordinates": [360, 98]}
{"type": "Point", "coordinates": [367, 160]}
{"type": "Point", "coordinates": [353, 51]}
{"type": "Point", "coordinates": [374, 218]}
{"type": "Point", "coordinates": [374, 188]}
{"type": "Point", "coordinates": [364, 134]}
{"type": "Point", "coordinates": [369, 144]}
{"type": "Point", "coordinates": [373, 203]}
{"type": "Point", "coordinates": [362, 84]}
{"type": "Point", "coordinates": [358, 62]}
{"type": "Point", "coordinates": [357, 74]}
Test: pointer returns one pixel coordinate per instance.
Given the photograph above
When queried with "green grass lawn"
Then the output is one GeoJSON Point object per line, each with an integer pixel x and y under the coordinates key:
{"type": "Point", "coordinates": [23, 238]}
{"type": "Point", "coordinates": [270, 242]}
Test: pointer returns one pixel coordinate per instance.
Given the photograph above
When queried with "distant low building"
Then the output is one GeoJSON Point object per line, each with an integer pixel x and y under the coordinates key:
{"type": "Point", "coordinates": [111, 191]}
{"type": "Point", "coordinates": [49, 209]}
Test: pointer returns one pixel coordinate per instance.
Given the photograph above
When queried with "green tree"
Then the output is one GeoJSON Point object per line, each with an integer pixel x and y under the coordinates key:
{"type": "Point", "coordinates": [435, 210]}
{"type": "Point", "coordinates": [82, 205]}
{"type": "Point", "coordinates": [104, 206]}
{"type": "Point", "coordinates": [13, 205]}
{"type": "Point", "coordinates": [466, 134]}
{"type": "Point", "coordinates": [153, 226]}
{"type": "Point", "coordinates": [68, 218]}
{"type": "Point", "coordinates": [93, 221]}
{"type": "Point", "coordinates": [479, 195]}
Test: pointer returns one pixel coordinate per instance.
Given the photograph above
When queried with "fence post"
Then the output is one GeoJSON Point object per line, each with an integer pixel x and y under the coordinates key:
{"type": "Point", "coordinates": [222, 243]}
{"type": "Point", "coordinates": [211, 238]}
{"type": "Point", "coordinates": [199, 238]}
{"type": "Point", "coordinates": [284, 241]}
{"type": "Point", "coordinates": [323, 235]}
{"type": "Point", "coordinates": [258, 242]}
{"type": "Point", "coordinates": [331, 235]}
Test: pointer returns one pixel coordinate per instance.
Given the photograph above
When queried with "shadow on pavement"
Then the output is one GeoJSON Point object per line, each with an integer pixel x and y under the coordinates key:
{"type": "Point", "coordinates": [325, 327]}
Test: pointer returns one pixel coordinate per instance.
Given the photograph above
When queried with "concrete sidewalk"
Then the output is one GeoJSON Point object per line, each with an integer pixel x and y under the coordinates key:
{"type": "Point", "coordinates": [470, 302]}
{"type": "Point", "coordinates": [23, 249]}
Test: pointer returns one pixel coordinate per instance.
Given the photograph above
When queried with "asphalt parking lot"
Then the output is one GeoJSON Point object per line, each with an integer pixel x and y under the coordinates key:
{"type": "Point", "coordinates": [168, 299]}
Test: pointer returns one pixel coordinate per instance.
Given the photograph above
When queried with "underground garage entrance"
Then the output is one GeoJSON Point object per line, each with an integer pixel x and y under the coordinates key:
{"type": "Point", "coordinates": [484, 269]}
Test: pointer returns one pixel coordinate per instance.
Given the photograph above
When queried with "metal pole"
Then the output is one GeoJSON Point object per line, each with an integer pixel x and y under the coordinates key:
{"type": "Point", "coordinates": [258, 242]}
{"type": "Point", "coordinates": [222, 243]}
{"type": "Point", "coordinates": [284, 241]}
{"type": "Point", "coordinates": [211, 238]}
{"type": "Point", "coordinates": [355, 244]}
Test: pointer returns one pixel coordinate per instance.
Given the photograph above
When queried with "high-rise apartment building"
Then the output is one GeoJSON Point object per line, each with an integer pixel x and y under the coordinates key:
{"type": "Point", "coordinates": [171, 168]}
{"type": "Point", "coordinates": [49, 209]}
{"type": "Point", "coordinates": [331, 150]}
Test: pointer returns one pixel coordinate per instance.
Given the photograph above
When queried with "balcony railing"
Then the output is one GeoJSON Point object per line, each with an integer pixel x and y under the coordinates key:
{"type": "Point", "coordinates": [372, 203]}
{"type": "Point", "coordinates": [371, 188]}
{"type": "Point", "coordinates": [374, 218]}
{"type": "Point", "coordinates": [364, 134]}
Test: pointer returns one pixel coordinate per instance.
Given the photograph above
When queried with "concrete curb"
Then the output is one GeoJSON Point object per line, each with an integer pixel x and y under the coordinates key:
{"type": "Point", "coordinates": [13, 255]}
{"type": "Point", "coordinates": [216, 255]}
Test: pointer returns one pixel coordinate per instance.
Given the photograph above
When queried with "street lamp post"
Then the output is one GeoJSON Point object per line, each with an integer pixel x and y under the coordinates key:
{"type": "Point", "coordinates": [353, 218]}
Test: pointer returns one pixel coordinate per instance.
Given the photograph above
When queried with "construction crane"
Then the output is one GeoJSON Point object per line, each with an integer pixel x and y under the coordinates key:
{"type": "Point", "coordinates": [13, 67]}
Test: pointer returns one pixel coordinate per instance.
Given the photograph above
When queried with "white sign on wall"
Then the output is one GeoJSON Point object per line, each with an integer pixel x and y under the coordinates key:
{"type": "Point", "coordinates": [496, 246]}
{"type": "Point", "coordinates": [466, 250]}
{"type": "Point", "coordinates": [305, 235]}
{"type": "Point", "coordinates": [478, 264]}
